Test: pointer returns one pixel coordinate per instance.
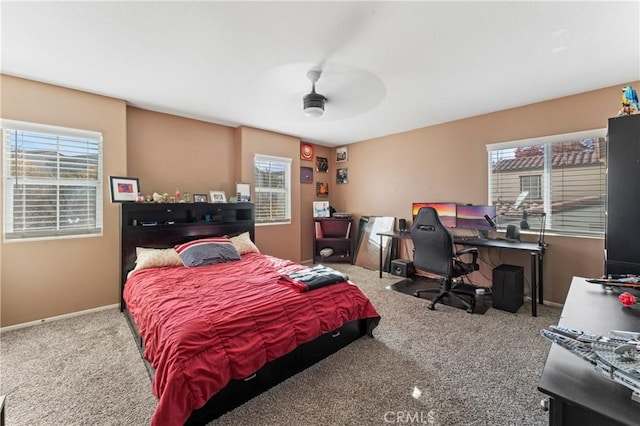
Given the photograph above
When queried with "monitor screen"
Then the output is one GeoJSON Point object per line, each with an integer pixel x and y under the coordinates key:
{"type": "Point", "coordinates": [472, 217]}
{"type": "Point", "coordinates": [446, 212]}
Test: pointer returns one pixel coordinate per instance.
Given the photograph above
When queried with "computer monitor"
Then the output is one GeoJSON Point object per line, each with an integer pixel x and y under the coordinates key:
{"type": "Point", "coordinates": [473, 217]}
{"type": "Point", "coordinates": [446, 212]}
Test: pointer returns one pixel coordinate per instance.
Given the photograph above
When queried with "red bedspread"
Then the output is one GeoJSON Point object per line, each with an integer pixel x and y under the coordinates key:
{"type": "Point", "coordinates": [203, 326]}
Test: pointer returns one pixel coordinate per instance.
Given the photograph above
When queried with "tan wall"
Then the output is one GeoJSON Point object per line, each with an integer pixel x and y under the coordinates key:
{"type": "Point", "coordinates": [448, 162]}
{"type": "Point", "coordinates": [282, 241]}
{"type": "Point", "coordinates": [41, 279]}
{"type": "Point", "coordinates": [440, 163]}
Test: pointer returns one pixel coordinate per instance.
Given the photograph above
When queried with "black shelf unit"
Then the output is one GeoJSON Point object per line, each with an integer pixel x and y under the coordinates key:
{"type": "Point", "coordinates": [622, 236]}
{"type": "Point", "coordinates": [336, 234]}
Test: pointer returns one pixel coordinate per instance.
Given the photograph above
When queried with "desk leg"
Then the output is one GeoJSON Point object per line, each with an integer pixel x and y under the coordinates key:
{"type": "Point", "coordinates": [380, 256]}
{"type": "Point", "coordinates": [540, 282]}
{"type": "Point", "coordinates": [534, 285]}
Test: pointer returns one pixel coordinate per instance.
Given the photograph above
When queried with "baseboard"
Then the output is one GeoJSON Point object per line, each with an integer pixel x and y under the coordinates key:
{"type": "Point", "coordinates": [58, 317]}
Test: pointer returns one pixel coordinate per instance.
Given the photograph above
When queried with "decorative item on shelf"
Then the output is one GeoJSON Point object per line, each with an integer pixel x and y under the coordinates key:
{"type": "Point", "coordinates": [243, 192]}
{"type": "Point", "coordinates": [629, 101]}
{"type": "Point", "coordinates": [326, 252]}
{"type": "Point", "coordinates": [186, 197]}
{"type": "Point", "coordinates": [218, 196]}
{"type": "Point", "coordinates": [321, 209]}
{"type": "Point", "coordinates": [140, 198]}
{"type": "Point", "coordinates": [124, 189]}
{"type": "Point", "coordinates": [200, 198]}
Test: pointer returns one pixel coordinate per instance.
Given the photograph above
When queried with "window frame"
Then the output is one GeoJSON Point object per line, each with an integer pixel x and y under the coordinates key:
{"type": "Point", "coordinates": [258, 188]}
{"type": "Point", "coordinates": [61, 183]}
{"type": "Point", "coordinates": [547, 179]}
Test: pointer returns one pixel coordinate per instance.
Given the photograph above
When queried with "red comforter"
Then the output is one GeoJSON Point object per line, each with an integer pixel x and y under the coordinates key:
{"type": "Point", "coordinates": [203, 326]}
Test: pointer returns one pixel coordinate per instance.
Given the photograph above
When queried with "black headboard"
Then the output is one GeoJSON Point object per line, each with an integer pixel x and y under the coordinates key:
{"type": "Point", "coordinates": [163, 225]}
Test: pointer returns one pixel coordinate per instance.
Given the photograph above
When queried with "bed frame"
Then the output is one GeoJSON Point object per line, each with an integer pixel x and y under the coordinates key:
{"type": "Point", "coordinates": [165, 225]}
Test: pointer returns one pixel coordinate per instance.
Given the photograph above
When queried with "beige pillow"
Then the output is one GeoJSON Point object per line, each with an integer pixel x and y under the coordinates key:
{"type": "Point", "coordinates": [244, 244]}
{"type": "Point", "coordinates": [156, 258]}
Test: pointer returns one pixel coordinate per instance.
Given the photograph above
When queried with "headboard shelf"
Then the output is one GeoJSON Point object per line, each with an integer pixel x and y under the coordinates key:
{"type": "Point", "coordinates": [163, 225]}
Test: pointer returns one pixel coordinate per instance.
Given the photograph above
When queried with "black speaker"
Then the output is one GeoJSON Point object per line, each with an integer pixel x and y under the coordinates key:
{"type": "Point", "coordinates": [402, 224]}
{"type": "Point", "coordinates": [402, 268]}
{"type": "Point", "coordinates": [507, 292]}
{"type": "Point", "coordinates": [513, 232]}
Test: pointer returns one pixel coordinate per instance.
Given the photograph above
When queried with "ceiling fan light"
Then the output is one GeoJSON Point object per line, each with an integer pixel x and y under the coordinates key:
{"type": "Point", "coordinates": [314, 104]}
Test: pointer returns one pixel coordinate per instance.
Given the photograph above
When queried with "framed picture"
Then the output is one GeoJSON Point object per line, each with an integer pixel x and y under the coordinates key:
{"type": "Point", "coordinates": [243, 192]}
{"type": "Point", "coordinates": [306, 174]}
{"type": "Point", "coordinates": [341, 154]}
{"type": "Point", "coordinates": [218, 197]}
{"type": "Point", "coordinates": [306, 151]}
{"type": "Point", "coordinates": [322, 164]}
{"type": "Point", "coordinates": [341, 175]}
{"type": "Point", "coordinates": [322, 189]}
{"type": "Point", "coordinates": [123, 189]}
{"type": "Point", "coordinates": [321, 209]}
{"type": "Point", "coordinates": [200, 198]}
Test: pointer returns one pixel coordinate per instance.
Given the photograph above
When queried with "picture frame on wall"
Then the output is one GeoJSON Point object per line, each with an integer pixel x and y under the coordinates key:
{"type": "Point", "coordinates": [341, 154]}
{"type": "Point", "coordinates": [322, 189]}
{"type": "Point", "coordinates": [322, 164]}
{"type": "Point", "coordinates": [200, 198]}
{"type": "Point", "coordinates": [341, 175]}
{"type": "Point", "coordinates": [218, 196]}
{"type": "Point", "coordinates": [124, 189]}
{"type": "Point", "coordinates": [306, 174]}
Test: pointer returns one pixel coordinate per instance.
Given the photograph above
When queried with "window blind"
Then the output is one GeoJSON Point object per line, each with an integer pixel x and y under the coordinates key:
{"type": "Point", "coordinates": [52, 181]}
{"type": "Point", "coordinates": [563, 176]}
{"type": "Point", "coordinates": [272, 189]}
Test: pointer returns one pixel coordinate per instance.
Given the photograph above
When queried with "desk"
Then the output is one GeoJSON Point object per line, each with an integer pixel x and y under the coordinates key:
{"type": "Point", "coordinates": [536, 251]}
{"type": "Point", "coordinates": [579, 394]}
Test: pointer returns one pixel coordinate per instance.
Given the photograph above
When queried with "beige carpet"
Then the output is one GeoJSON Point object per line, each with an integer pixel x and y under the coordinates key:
{"type": "Point", "coordinates": [442, 367]}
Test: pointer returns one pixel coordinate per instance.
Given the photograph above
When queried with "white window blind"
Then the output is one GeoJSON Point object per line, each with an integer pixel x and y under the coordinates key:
{"type": "Point", "coordinates": [563, 176]}
{"type": "Point", "coordinates": [272, 189]}
{"type": "Point", "coordinates": [52, 181]}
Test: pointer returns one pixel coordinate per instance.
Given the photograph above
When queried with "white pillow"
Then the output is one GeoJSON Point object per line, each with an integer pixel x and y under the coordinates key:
{"type": "Point", "coordinates": [156, 258]}
{"type": "Point", "coordinates": [244, 244]}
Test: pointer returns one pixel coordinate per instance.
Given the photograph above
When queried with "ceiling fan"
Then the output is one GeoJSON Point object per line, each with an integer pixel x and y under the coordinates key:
{"type": "Point", "coordinates": [313, 103]}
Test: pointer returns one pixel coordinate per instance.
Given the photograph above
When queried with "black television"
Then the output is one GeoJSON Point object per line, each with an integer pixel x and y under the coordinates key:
{"type": "Point", "coordinates": [475, 217]}
{"type": "Point", "coordinates": [446, 212]}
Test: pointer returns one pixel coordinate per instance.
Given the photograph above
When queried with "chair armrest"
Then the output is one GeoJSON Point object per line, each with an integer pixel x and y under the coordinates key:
{"type": "Point", "coordinates": [474, 253]}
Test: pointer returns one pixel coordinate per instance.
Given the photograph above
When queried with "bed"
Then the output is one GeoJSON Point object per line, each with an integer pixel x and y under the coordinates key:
{"type": "Point", "coordinates": [215, 335]}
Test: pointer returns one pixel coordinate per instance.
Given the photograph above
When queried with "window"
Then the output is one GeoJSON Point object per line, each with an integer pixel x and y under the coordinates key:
{"type": "Point", "coordinates": [273, 189]}
{"type": "Point", "coordinates": [52, 180]}
{"type": "Point", "coordinates": [563, 176]}
{"type": "Point", "coordinates": [531, 185]}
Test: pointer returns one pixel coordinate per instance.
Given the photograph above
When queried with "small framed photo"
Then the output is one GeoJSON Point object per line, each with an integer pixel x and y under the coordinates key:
{"type": "Point", "coordinates": [321, 209]}
{"type": "Point", "coordinates": [218, 197]}
{"type": "Point", "coordinates": [243, 192]}
{"type": "Point", "coordinates": [322, 189]}
{"type": "Point", "coordinates": [124, 189]}
{"type": "Point", "coordinates": [341, 175]}
{"type": "Point", "coordinates": [200, 198]}
{"type": "Point", "coordinates": [341, 154]}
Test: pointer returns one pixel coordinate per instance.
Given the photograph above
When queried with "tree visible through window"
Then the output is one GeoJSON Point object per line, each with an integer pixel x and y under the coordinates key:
{"type": "Point", "coordinates": [272, 189]}
{"type": "Point", "coordinates": [52, 181]}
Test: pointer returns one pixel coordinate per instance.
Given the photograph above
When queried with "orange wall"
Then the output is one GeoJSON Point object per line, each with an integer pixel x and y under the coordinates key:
{"type": "Point", "coordinates": [41, 279]}
{"type": "Point", "coordinates": [444, 162]}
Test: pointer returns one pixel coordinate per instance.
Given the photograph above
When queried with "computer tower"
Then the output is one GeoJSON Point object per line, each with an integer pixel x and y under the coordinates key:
{"type": "Point", "coordinates": [507, 292]}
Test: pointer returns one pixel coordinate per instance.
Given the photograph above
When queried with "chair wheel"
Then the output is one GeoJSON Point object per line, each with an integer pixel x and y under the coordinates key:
{"type": "Point", "coordinates": [470, 310]}
{"type": "Point", "coordinates": [416, 293]}
{"type": "Point", "coordinates": [432, 307]}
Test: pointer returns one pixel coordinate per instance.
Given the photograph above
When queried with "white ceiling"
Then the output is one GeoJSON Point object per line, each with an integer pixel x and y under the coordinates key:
{"type": "Point", "coordinates": [387, 67]}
